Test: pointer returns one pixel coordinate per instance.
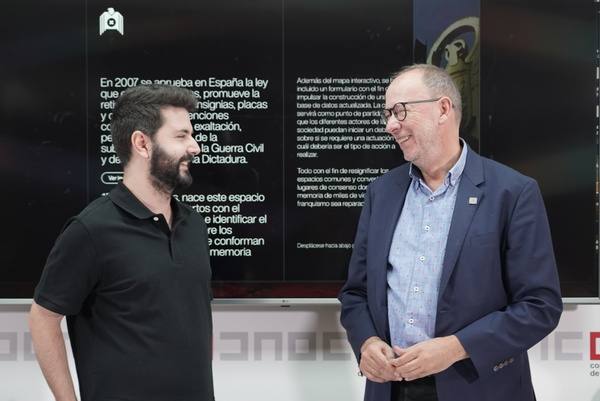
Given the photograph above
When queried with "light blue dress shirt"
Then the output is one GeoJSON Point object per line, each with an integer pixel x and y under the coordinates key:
{"type": "Point", "coordinates": [417, 255]}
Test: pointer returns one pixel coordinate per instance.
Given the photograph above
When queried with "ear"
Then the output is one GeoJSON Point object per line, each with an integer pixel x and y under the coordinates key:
{"type": "Point", "coordinates": [445, 109]}
{"type": "Point", "coordinates": [141, 144]}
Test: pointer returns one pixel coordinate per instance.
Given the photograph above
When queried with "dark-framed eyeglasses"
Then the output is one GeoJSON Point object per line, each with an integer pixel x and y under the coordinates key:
{"type": "Point", "coordinates": [399, 109]}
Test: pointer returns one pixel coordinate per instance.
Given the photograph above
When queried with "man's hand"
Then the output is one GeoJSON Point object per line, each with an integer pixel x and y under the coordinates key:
{"type": "Point", "coordinates": [375, 358]}
{"type": "Point", "coordinates": [428, 357]}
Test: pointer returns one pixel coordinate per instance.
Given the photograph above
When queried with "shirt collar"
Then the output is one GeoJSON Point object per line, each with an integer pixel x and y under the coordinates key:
{"type": "Point", "coordinates": [453, 174]}
{"type": "Point", "coordinates": [126, 200]}
{"type": "Point", "coordinates": [458, 168]}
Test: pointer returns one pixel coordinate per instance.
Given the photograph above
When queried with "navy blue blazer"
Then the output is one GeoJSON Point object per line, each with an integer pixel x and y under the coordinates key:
{"type": "Point", "coordinates": [499, 291]}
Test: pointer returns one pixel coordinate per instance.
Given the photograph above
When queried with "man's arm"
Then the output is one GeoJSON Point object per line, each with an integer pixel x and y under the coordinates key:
{"type": "Point", "coordinates": [355, 314]}
{"type": "Point", "coordinates": [373, 354]}
{"type": "Point", "coordinates": [49, 346]}
{"type": "Point", "coordinates": [532, 288]}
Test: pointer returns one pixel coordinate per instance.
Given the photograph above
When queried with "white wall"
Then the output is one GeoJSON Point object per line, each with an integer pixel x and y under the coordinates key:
{"type": "Point", "coordinates": [270, 353]}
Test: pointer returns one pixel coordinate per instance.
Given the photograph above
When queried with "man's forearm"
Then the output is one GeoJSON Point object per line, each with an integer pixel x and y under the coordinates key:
{"type": "Point", "coordinates": [49, 346]}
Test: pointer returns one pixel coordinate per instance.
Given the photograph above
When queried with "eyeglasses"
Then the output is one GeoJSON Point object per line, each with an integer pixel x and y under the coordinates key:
{"type": "Point", "coordinates": [399, 109]}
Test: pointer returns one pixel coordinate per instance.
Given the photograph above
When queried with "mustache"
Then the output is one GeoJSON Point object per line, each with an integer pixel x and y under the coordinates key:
{"type": "Point", "coordinates": [186, 158]}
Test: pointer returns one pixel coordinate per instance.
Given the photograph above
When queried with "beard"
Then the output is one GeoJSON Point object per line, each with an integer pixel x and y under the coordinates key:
{"type": "Point", "coordinates": [165, 173]}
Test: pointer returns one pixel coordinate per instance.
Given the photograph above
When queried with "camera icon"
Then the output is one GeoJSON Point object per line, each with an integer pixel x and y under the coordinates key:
{"type": "Point", "coordinates": [111, 20]}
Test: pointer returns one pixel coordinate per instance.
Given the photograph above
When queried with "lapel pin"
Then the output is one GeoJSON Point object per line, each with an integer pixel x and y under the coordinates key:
{"type": "Point", "coordinates": [472, 200]}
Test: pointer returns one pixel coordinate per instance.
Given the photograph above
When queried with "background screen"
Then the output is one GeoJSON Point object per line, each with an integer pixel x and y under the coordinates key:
{"type": "Point", "coordinates": [288, 124]}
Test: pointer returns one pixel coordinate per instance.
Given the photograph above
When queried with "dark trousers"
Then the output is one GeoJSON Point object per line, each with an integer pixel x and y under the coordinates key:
{"type": "Point", "coordinates": [416, 390]}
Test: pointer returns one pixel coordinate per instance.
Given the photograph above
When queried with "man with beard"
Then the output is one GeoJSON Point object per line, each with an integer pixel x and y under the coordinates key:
{"type": "Point", "coordinates": [131, 272]}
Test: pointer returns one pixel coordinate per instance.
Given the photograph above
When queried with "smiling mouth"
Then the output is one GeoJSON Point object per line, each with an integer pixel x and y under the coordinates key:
{"type": "Point", "coordinates": [402, 139]}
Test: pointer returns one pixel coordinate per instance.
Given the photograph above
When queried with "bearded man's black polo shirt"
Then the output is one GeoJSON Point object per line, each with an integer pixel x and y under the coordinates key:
{"type": "Point", "coordinates": [137, 299]}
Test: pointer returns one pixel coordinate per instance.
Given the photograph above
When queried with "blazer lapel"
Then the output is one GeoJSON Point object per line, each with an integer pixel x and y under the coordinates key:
{"type": "Point", "coordinates": [394, 202]}
{"type": "Point", "coordinates": [468, 198]}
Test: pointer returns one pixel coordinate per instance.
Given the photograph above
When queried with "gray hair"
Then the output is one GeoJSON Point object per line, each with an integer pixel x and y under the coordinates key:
{"type": "Point", "coordinates": [438, 81]}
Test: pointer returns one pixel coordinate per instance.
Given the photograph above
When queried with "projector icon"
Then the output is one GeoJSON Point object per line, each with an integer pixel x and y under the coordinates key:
{"type": "Point", "coordinates": [111, 20]}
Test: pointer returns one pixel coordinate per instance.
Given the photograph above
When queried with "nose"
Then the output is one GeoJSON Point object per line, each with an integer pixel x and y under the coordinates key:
{"type": "Point", "coordinates": [194, 148]}
{"type": "Point", "coordinates": [392, 125]}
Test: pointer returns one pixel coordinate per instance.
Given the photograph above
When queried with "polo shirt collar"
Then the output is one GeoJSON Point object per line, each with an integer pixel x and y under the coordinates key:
{"type": "Point", "coordinates": [126, 200]}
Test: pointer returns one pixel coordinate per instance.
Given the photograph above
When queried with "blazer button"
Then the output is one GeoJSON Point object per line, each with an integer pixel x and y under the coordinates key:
{"type": "Point", "coordinates": [496, 368]}
{"type": "Point", "coordinates": [511, 360]}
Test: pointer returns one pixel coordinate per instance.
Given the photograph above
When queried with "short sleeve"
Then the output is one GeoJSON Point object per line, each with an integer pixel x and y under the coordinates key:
{"type": "Point", "coordinates": [70, 273]}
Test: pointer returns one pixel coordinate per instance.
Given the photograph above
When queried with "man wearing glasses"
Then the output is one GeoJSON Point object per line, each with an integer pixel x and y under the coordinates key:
{"type": "Point", "coordinates": [452, 277]}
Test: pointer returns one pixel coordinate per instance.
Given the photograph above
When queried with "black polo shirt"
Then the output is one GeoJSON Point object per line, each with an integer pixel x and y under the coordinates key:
{"type": "Point", "coordinates": [137, 299]}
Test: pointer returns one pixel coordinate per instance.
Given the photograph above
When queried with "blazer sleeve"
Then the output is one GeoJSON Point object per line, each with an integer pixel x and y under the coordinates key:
{"type": "Point", "coordinates": [355, 314]}
{"type": "Point", "coordinates": [532, 287]}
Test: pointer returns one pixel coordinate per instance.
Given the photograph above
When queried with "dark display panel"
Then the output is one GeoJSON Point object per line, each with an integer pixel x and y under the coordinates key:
{"type": "Point", "coordinates": [539, 115]}
{"type": "Point", "coordinates": [42, 137]}
{"type": "Point", "coordinates": [289, 94]}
